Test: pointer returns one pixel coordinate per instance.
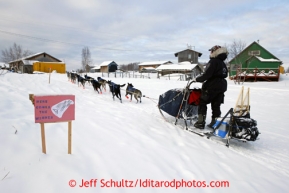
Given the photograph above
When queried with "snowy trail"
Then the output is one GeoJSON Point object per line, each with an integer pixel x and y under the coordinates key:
{"type": "Point", "coordinates": [128, 140]}
{"type": "Point", "coordinates": [257, 151]}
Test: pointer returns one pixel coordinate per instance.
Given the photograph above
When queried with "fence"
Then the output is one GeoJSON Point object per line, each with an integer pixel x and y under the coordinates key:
{"type": "Point", "coordinates": [125, 75]}
{"type": "Point", "coordinates": [268, 74]}
{"type": "Point", "coordinates": [180, 77]}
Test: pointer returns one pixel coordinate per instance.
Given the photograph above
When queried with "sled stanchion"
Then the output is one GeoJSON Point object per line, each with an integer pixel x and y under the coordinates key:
{"type": "Point", "coordinates": [187, 87]}
{"type": "Point", "coordinates": [176, 121]}
{"type": "Point", "coordinates": [230, 129]}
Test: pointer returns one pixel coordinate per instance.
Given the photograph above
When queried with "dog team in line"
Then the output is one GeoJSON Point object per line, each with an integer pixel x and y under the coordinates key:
{"type": "Point", "coordinates": [100, 84]}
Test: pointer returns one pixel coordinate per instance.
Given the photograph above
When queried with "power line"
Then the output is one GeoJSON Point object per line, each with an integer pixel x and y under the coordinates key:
{"type": "Point", "coordinates": [56, 41]}
{"type": "Point", "coordinates": [6, 18]}
{"type": "Point", "coordinates": [62, 26]}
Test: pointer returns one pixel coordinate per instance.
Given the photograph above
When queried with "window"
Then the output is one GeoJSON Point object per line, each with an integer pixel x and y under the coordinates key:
{"type": "Point", "coordinates": [254, 53]}
{"type": "Point", "coordinates": [189, 56]}
{"type": "Point", "coordinates": [235, 67]}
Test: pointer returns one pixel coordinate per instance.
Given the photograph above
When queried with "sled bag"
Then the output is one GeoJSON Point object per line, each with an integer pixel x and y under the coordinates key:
{"type": "Point", "coordinates": [170, 101]}
{"type": "Point", "coordinates": [245, 128]}
{"type": "Point", "coordinates": [194, 98]}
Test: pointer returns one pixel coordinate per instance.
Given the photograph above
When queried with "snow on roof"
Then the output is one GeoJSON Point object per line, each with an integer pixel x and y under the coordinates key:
{"type": "Point", "coordinates": [149, 68]}
{"type": "Point", "coordinates": [176, 67]}
{"type": "Point", "coordinates": [267, 60]}
{"type": "Point", "coordinates": [184, 63]}
{"type": "Point", "coordinates": [154, 63]}
{"type": "Point", "coordinates": [96, 68]}
{"type": "Point", "coordinates": [105, 63]}
{"type": "Point", "coordinates": [29, 62]}
{"type": "Point", "coordinates": [27, 57]}
{"type": "Point", "coordinates": [30, 56]}
{"type": "Point", "coordinates": [47, 62]}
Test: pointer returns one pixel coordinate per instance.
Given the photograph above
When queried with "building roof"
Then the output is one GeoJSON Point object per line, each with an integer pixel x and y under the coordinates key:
{"type": "Point", "coordinates": [32, 56]}
{"type": "Point", "coordinates": [199, 54]}
{"type": "Point", "coordinates": [106, 63]}
{"type": "Point", "coordinates": [155, 63]}
{"type": "Point", "coordinates": [180, 66]}
{"type": "Point", "coordinates": [249, 47]}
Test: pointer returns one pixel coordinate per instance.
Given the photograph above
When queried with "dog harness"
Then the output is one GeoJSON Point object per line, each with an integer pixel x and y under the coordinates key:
{"type": "Point", "coordinates": [131, 89]}
{"type": "Point", "coordinates": [113, 86]}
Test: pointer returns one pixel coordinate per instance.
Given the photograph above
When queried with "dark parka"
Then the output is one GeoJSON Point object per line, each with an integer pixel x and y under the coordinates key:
{"type": "Point", "coordinates": [215, 74]}
{"type": "Point", "coordinates": [214, 83]}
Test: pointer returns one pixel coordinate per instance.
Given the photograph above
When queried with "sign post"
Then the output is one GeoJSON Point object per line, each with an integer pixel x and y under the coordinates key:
{"type": "Point", "coordinates": [53, 109]}
{"type": "Point", "coordinates": [43, 138]}
{"type": "Point", "coordinates": [69, 136]}
{"type": "Point", "coordinates": [49, 74]}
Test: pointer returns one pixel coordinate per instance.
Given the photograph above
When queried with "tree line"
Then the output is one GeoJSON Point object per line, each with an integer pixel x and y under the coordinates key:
{"type": "Point", "coordinates": [14, 52]}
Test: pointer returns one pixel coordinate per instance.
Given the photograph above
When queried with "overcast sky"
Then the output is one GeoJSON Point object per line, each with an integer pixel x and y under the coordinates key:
{"type": "Point", "coordinates": [128, 31]}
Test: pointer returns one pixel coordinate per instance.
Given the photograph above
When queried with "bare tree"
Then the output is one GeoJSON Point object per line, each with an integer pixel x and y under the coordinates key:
{"type": "Point", "coordinates": [235, 48]}
{"type": "Point", "coordinates": [123, 67]}
{"type": "Point", "coordinates": [287, 70]}
{"type": "Point", "coordinates": [86, 59]}
{"type": "Point", "coordinates": [129, 67]}
{"type": "Point", "coordinates": [13, 53]}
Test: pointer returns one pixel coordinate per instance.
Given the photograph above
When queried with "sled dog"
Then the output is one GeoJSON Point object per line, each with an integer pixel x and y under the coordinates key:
{"type": "Point", "coordinates": [115, 89]}
{"type": "Point", "coordinates": [103, 82]}
{"type": "Point", "coordinates": [133, 91]}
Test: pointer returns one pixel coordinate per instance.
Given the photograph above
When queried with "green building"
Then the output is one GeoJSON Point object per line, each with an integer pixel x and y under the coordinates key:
{"type": "Point", "coordinates": [255, 63]}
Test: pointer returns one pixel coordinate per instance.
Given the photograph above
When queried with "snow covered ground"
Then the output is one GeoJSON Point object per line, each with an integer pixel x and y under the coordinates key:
{"type": "Point", "coordinates": [132, 144]}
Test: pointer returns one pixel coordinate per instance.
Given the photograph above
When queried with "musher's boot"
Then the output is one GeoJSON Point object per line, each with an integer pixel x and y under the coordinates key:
{"type": "Point", "coordinates": [200, 124]}
{"type": "Point", "coordinates": [214, 120]}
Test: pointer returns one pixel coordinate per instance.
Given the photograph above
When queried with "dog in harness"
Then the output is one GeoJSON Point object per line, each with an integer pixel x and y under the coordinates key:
{"type": "Point", "coordinates": [88, 78]}
{"type": "Point", "coordinates": [102, 82]}
{"type": "Point", "coordinates": [96, 85]}
{"type": "Point", "coordinates": [115, 89]}
{"type": "Point", "coordinates": [80, 80]}
{"type": "Point", "coordinates": [133, 91]}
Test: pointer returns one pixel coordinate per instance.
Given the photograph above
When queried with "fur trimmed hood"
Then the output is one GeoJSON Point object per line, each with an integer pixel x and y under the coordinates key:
{"type": "Point", "coordinates": [219, 51]}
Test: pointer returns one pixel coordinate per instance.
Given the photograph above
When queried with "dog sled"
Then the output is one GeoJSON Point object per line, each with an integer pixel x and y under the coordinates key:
{"type": "Point", "coordinates": [180, 103]}
{"type": "Point", "coordinates": [236, 124]}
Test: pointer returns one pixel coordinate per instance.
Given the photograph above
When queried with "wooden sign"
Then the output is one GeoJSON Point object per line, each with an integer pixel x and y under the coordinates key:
{"type": "Point", "coordinates": [52, 109]}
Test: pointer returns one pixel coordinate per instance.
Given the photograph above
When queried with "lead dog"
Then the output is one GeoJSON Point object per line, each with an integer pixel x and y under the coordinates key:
{"type": "Point", "coordinates": [133, 91]}
{"type": "Point", "coordinates": [115, 89]}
